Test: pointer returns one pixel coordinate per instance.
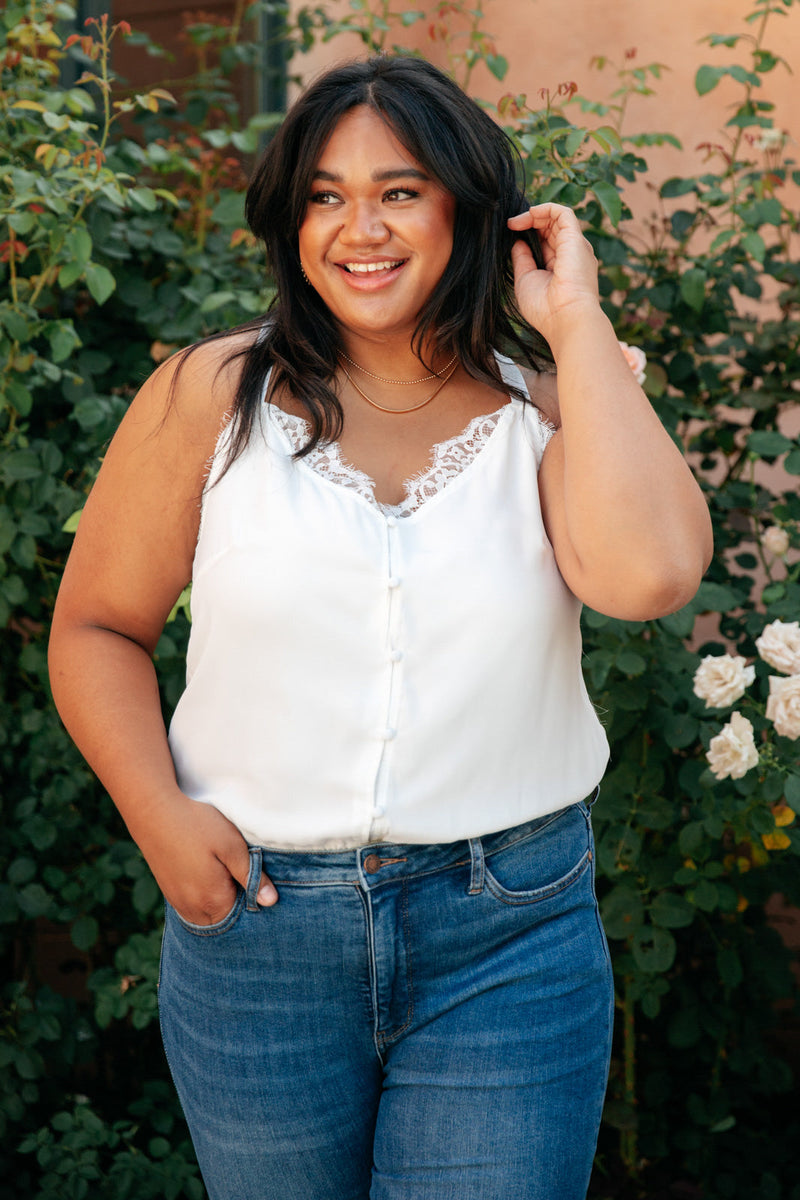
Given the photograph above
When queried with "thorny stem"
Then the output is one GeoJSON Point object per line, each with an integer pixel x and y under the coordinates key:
{"type": "Point", "coordinates": [12, 265]}
{"type": "Point", "coordinates": [737, 140]}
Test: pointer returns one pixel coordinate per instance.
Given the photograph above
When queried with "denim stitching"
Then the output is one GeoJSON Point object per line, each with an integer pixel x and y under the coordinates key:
{"type": "Point", "coordinates": [539, 894]}
{"type": "Point", "coordinates": [218, 927]}
{"type": "Point", "coordinates": [388, 1038]}
{"type": "Point", "coordinates": [373, 971]}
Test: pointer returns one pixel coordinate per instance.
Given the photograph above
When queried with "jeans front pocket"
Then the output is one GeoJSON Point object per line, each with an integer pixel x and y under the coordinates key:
{"type": "Point", "coordinates": [244, 896]}
{"type": "Point", "coordinates": [544, 862]}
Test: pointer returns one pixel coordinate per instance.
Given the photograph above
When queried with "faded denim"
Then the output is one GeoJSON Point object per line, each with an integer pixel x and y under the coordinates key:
{"type": "Point", "coordinates": [415, 1022]}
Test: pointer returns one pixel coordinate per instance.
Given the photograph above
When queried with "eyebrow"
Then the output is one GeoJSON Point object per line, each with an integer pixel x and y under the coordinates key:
{"type": "Point", "coordinates": [377, 176]}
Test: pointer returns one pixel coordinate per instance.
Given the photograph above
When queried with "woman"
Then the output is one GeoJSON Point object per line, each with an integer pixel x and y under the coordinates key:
{"type": "Point", "coordinates": [384, 723]}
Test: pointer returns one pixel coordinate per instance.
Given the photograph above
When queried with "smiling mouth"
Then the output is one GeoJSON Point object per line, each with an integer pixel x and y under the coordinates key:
{"type": "Point", "coordinates": [372, 268]}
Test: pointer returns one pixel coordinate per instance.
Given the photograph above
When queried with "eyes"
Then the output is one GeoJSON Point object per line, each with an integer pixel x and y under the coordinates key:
{"type": "Point", "coordinates": [327, 199]}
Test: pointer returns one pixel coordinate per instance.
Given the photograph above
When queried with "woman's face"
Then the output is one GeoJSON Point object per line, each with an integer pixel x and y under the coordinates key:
{"type": "Point", "coordinates": [377, 232]}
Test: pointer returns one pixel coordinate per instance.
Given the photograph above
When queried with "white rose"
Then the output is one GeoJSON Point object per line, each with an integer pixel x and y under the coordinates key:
{"type": "Point", "coordinates": [779, 645]}
{"type": "Point", "coordinates": [775, 540]}
{"type": "Point", "coordinates": [770, 139]}
{"type": "Point", "coordinates": [783, 705]}
{"type": "Point", "coordinates": [721, 679]}
{"type": "Point", "coordinates": [733, 751]}
{"type": "Point", "coordinates": [636, 360]}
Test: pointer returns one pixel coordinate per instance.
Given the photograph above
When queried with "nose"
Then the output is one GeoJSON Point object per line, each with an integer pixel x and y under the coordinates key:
{"type": "Point", "coordinates": [363, 226]}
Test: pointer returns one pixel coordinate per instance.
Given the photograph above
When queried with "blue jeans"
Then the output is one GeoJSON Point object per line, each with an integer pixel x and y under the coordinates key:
{"type": "Point", "coordinates": [431, 1022]}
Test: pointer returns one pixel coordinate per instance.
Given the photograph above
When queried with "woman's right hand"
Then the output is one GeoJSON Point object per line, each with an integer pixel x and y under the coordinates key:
{"type": "Point", "coordinates": [198, 857]}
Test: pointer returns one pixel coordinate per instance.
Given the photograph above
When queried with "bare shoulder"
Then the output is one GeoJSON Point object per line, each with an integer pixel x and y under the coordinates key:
{"type": "Point", "coordinates": [196, 385]}
{"type": "Point", "coordinates": [135, 543]}
{"type": "Point", "coordinates": [543, 391]}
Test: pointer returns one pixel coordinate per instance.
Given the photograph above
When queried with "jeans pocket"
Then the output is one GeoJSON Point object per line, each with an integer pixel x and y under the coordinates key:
{"type": "Point", "coordinates": [544, 863]}
{"type": "Point", "coordinates": [244, 896]}
{"type": "Point", "coordinates": [227, 922]}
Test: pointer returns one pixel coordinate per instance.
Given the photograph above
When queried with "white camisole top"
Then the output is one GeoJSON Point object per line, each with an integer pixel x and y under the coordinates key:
{"type": "Point", "coordinates": [361, 673]}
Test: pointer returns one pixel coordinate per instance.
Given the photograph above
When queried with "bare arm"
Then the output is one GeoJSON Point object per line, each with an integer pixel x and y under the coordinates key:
{"type": "Point", "coordinates": [627, 521]}
{"type": "Point", "coordinates": [132, 557]}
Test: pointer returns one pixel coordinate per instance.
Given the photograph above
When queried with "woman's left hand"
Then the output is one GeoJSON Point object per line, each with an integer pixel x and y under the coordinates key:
{"type": "Point", "coordinates": [568, 282]}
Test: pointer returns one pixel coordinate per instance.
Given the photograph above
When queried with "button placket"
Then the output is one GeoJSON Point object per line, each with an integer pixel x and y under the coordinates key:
{"type": "Point", "coordinates": [394, 656]}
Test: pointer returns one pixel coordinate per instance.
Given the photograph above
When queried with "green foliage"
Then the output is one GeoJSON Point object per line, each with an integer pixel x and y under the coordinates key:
{"type": "Point", "coordinates": [121, 239]}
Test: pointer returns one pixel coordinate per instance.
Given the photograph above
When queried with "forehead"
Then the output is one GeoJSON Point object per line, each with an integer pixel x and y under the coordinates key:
{"type": "Point", "coordinates": [362, 138]}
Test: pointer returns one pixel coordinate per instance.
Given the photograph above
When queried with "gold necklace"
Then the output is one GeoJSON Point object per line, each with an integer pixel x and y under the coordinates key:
{"type": "Point", "coordinates": [398, 411]}
{"type": "Point", "coordinates": [403, 382]}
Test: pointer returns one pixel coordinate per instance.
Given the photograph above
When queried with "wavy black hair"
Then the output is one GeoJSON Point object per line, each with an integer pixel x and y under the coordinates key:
{"type": "Point", "coordinates": [472, 309]}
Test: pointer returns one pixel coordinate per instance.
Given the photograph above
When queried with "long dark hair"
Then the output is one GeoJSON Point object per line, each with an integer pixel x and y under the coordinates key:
{"type": "Point", "coordinates": [472, 309]}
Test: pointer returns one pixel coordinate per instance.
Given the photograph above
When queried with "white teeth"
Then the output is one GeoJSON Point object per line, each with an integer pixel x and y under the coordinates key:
{"type": "Point", "coordinates": [365, 268]}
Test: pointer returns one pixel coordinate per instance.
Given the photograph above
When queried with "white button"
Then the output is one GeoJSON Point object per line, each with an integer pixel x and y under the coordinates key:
{"type": "Point", "coordinates": [397, 656]}
{"type": "Point", "coordinates": [388, 734]}
{"type": "Point", "coordinates": [393, 581]}
{"type": "Point", "coordinates": [379, 810]}
{"type": "Point", "coordinates": [391, 522]}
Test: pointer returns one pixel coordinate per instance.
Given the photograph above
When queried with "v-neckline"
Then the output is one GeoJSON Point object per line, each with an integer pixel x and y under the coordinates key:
{"type": "Point", "coordinates": [449, 459]}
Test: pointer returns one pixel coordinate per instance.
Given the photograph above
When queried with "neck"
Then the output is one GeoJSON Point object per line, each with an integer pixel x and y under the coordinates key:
{"type": "Point", "coordinates": [392, 360]}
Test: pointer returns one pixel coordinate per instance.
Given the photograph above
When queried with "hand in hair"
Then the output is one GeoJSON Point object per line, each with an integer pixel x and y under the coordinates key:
{"type": "Point", "coordinates": [566, 286]}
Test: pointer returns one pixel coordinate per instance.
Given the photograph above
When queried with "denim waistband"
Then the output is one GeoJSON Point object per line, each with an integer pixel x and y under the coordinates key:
{"type": "Point", "coordinates": [381, 861]}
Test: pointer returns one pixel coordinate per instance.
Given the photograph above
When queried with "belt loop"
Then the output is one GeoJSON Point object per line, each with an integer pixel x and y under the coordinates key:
{"type": "Point", "coordinates": [476, 876]}
{"type": "Point", "coordinates": [590, 802]}
{"type": "Point", "coordinates": [253, 878]}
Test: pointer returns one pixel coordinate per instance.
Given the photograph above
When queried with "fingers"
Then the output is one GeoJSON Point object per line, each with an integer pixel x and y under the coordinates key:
{"type": "Point", "coordinates": [238, 864]}
{"type": "Point", "coordinates": [539, 216]}
{"type": "Point", "coordinates": [522, 257]}
{"type": "Point", "coordinates": [267, 892]}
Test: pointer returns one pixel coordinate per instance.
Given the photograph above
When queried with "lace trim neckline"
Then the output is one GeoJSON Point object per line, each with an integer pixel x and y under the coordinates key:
{"type": "Point", "coordinates": [448, 460]}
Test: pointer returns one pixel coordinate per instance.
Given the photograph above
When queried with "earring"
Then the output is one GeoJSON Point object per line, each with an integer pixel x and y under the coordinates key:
{"type": "Point", "coordinates": [305, 277]}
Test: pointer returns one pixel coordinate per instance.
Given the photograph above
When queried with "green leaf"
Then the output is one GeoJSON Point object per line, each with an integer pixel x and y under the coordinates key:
{"type": "Point", "coordinates": [729, 966]}
{"type": "Point", "coordinates": [607, 138]}
{"type": "Point", "coordinates": [769, 443]}
{"type": "Point", "coordinates": [100, 282]}
{"type": "Point", "coordinates": [84, 933]}
{"type": "Point", "coordinates": [143, 197]}
{"type": "Point", "coordinates": [714, 597]}
{"type": "Point", "coordinates": [754, 244]}
{"type": "Point", "coordinates": [609, 199]}
{"type": "Point", "coordinates": [217, 300]}
{"type": "Point", "coordinates": [497, 65]}
{"type": "Point", "coordinates": [15, 324]}
{"type": "Point", "coordinates": [622, 911]}
{"type": "Point", "coordinates": [677, 186]}
{"type": "Point", "coordinates": [245, 140]}
{"type": "Point", "coordinates": [218, 138]}
{"type": "Point", "coordinates": [707, 79]}
{"type": "Point", "coordinates": [71, 523]}
{"type": "Point", "coordinates": [78, 244]}
{"type": "Point", "coordinates": [693, 287]}
{"type": "Point", "coordinates": [70, 273]}
{"type": "Point", "coordinates": [680, 730]}
{"type": "Point", "coordinates": [691, 838]}
{"type": "Point", "coordinates": [34, 901]}
{"type": "Point", "coordinates": [705, 896]}
{"type": "Point", "coordinates": [653, 949]}
{"type": "Point", "coordinates": [679, 624]}
{"type": "Point", "coordinates": [671, 910]}
{"type": "Point", "coordinates": [63, 340]}
{"type": "Point", "coordinates": [229, 211]}
{"type": "Point", "coordinates": [792, 791]}
{"type": "Point", "coordinates": [631, 663]}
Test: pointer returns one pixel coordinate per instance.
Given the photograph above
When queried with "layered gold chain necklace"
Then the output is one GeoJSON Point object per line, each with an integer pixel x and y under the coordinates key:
{"type": "Point", "coordinates": [450, 370]}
